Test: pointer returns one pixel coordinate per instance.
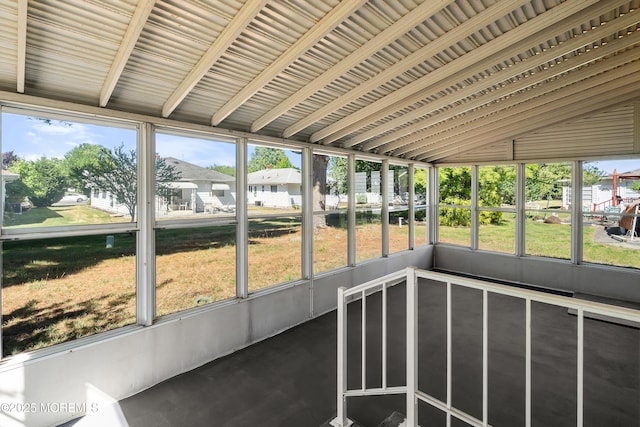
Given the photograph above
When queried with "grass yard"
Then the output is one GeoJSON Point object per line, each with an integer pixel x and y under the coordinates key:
{"type": "Point", "coordinates": [549, 240]}
{"type": "Point", "coordinates": [60, 289]}
{"type": "Point", "coordinates": [58, 216]}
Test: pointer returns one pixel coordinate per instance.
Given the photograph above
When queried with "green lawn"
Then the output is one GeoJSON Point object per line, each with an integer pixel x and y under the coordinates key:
{"type": "Point", "coordinates": [549, 240]}
{"type": "Point", "coordinates": [58, 216]}
{"type": "Point", "coordinates": [58, 289]}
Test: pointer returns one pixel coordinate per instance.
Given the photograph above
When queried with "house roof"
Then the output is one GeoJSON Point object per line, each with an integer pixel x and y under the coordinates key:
{"type": "Point", "coordinates": [9, 176]}
{"type": "Point", "coordinates": [415, 79]}
{"type": "Point", "coordinates": [634, 174]}
{"type": "Point", "coordinates": [274, 177]}
{"type": "Point", "coordinates": [190, 172]}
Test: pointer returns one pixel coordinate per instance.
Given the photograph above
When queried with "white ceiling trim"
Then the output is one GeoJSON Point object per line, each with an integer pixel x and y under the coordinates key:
{"type": "Point", "coordinates": [21, 59]}
{"type": "Point", "coordinates": [231, 32]}
{"type": "Point", "coordinates": [413, 92]}
{"type": "Point", "coordinates": [388, 35]}
{"type": "Point", "coordinates": [138, 20]}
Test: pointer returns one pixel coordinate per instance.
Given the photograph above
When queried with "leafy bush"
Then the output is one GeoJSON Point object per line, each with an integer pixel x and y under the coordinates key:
{"type": "Point", "coordinates": [455, 217]}
{"type": "Point", "coordinates": [461, 217]}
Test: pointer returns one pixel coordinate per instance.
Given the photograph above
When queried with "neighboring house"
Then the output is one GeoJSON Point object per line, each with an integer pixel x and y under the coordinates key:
{"type": "Point", "coordinates": [601, 195]}
{"type": "Point", "coordinates": [277, 188]}
{"type": "Point", "coordinates": [198, 190]}
{"type": "Point", "coordinates": [7, 177]}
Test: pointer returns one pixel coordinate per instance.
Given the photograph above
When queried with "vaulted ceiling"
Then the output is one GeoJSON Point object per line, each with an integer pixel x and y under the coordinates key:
{"type": "Point", "coordinates": [420, 80]}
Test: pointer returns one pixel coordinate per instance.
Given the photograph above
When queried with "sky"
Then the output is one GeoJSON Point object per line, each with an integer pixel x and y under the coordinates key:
{"type": "Point", "coordinates": [31, 139]}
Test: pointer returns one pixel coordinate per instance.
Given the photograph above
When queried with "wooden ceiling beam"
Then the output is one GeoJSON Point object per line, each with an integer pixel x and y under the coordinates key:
{"type": "Point", "coordinates": [21, 59]}
{"type": "Point", "coordinates": [138, 20]}
{"type": "Point", "coordinates": [416, 58]}
{"type": "Point", "coordinates": [414, 92]}
{"type": "Point", "coordinates": [538, 112]}
{"type": "Point", "coordinates": [388, 35]}
{"type": "Point", "coordinates": [336, 16]}
{"type": "Point", "coordinates": [510, 109]}
{"type": "Point", "coordinates": [230, 33]}
{"type": "Point", "coordinates": [403, 136]}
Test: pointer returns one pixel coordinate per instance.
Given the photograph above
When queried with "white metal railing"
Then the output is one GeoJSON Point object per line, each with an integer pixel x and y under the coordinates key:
{"type": "Point", "coordinates": [411, 276]}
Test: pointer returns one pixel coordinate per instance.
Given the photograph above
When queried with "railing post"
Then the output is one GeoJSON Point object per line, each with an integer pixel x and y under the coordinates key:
{"type": "Point", "coordinates": [580, 368]}
{"type": "Point", "coordinates": [412, 353]}
{"type": "Point", "coordinates": [341, 419]}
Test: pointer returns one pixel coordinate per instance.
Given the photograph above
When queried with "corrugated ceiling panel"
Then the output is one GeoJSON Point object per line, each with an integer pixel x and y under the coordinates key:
{"type": "Point", "coordinates": [8, 41]}
{"type": "Point", "coordinates": [606, 133]}
{"type": "Point", "coordinates": [271, 33]}
{"type": "Point", "coordinates": [174, 39]}
{"type": "Point", "coordinates": [500, 151]}
{"type": "Point", "coordinates": [330, 50]}
{"type": "Point", "coordinates": [71, 45]}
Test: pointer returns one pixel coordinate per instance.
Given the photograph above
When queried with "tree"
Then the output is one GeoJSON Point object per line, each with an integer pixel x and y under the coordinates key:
{"type": "Point", "coordinates": [338, 170]}
{"type": "Point", "coordinates": [320, 163]}
{"type": "Point", "coordinates": [266, 157]}
{"type": "Point", "coordinates": [420, 183]}
{"type": "Point", "coordinates": [83, 159]}
{"type": "Point", "coordinates": [544, 181]}
{"type": "Point", "coordinates": [591, 174]}
{"type": "Point", "coordinates": [455, 183]}
{"type": "Point", "coordinates": [227, 170]}
{"type": "Point", "coordinates": [116, 172]}
{"type": "Point", "coordinates": [8, 159]}
{"type": "Point", "coordinates": [44, 179]}
{"type": "Point", "coordinates": [496, 185]}
{"type": "Point", "coordinates": [16, 192]}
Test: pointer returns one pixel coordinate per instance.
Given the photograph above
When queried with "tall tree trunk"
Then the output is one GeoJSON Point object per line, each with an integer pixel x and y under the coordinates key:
{"type": "Point", "coordinates": [320, 163]}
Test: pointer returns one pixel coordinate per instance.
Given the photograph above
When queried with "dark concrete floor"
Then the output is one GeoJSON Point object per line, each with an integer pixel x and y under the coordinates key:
{"type": "Point", "coordinates": [289, 380]}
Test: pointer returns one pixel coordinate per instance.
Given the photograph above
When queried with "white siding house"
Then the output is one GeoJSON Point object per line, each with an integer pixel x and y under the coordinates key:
{"type": "Point", "coordinates": [197, 190]}
{"type": "Point", "coordinates": [200, 189]}
{"type": "Point", "coordinates": [601, 195]}
{"type": "Point", "coordinates": [276, 188]}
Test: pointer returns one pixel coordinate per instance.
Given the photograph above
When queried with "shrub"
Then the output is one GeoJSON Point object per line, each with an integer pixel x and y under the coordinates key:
{"type": "Point", "coordinates": [461, 217]}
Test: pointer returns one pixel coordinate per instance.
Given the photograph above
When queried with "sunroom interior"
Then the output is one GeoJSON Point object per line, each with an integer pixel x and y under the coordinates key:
{"type": "Point", "coordinates": [493, 140]}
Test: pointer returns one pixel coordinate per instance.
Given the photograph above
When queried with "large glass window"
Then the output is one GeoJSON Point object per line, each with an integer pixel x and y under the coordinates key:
{"type": "Point", "coordinates": [195, 180]}
{"type": "Point", "coordinates": [275, 225]}
{"type": "Point", "coordinates": [454, 205]}
{"type": "Point", "coordinates": [195, 177]}
{"type": "Point", "coordinates": [78, 180]}
{"type": "Point", "coordinates": [194, 266]}
{"type": "Point", "coordinates": [610, 200]}
{"type": "Point", "coordinates": [398, 191]}
{"type": "Point", "coordinates": [59, 289]}
{"type": "Point", "coordinates": [496, 208]}
{"type": "Point", "coordinates": [330, 212]}
{"type": "Point", "coordinates": [52, 169]}
{"type": "Point", "coordinates": [275, 177]}
{"type": "Point", "coordinates": [548, 214]}
{"type": "Point", "coordinates": [275, 251]}
{"type": "Point", "coordinates": [368, 190]}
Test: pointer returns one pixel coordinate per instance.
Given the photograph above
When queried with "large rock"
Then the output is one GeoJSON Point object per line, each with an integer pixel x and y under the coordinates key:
{"type": "Point", "coordinates": [552, 220]}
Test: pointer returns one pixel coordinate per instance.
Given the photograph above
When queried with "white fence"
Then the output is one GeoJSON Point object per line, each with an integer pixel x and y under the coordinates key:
{"type": "Point", "coordinates": [411, 275]}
